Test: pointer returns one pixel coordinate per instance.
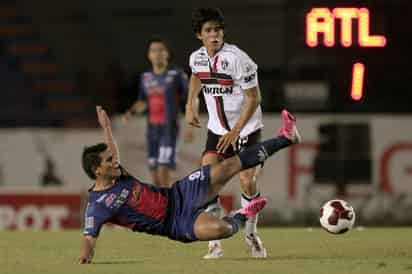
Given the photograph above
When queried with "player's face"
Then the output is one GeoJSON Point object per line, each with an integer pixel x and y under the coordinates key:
{"type": "Point", "coordinates": [211, 36]}
{"type": "Point", "coordinates": [108, 169]}
{"type": "Point", "coordinates": [158, 54]}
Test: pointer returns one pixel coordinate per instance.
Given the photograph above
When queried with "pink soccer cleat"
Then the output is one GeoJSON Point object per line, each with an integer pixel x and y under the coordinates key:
{"type": "Point", "coordinates": [289, 129]}
{"type": "Point", "coordinates": [253, 207]}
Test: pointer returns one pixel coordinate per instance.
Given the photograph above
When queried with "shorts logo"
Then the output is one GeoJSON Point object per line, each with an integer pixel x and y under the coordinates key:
{"type": "Point", "coordinates": [89, 223]}
{"type": "Point", "coordinates": [262, 154]}
{"type": "Point", "coordinates": [242, 142]}
{"type": "Point", "coordinates": [196, 175]}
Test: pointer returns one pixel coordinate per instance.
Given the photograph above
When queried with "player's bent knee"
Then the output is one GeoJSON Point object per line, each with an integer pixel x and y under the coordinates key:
{"type": "Point", "coordinates": [224, 230]}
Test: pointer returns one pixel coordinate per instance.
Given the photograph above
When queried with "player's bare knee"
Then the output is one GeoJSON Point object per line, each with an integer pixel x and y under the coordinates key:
{"type": "Point", "coordinates": [225, 230]}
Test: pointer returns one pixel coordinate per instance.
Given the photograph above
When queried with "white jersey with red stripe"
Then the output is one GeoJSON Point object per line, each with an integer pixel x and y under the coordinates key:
{"type": "Point", "coordinates": [224, 78]}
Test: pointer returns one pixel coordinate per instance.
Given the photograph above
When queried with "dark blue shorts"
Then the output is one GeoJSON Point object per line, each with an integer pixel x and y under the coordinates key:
{"type": "Point", "coordinates": [161, 146]}
{"type": "Point", "coordinates": [190, 195]}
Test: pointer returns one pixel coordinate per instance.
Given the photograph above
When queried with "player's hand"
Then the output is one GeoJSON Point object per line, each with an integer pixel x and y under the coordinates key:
{"type": "Point", "coordinates": [102, 117]}
{"type": "Point", "coordinates": [140, 106]}
{"type": "Point", "coordinates": [191, 117]}
{"type": "Point", "coordinates": [228, 139]}
{"type": "Point", "coordinates": [126, 117]}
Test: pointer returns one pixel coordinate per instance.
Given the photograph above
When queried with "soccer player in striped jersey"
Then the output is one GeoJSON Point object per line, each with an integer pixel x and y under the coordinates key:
{"type": "Point", "coordinates": [176, 212]}
{"type": "Point", "coordinates": [228, 79]}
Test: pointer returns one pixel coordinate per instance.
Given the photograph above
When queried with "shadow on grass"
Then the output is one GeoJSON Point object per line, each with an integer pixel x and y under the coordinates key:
{"type": "Point", "coordinates": [119, 262]}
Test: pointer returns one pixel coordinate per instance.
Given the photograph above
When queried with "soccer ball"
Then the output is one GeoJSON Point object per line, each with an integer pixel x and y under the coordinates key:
{"type": "Point", "coordinates": [337, 216]}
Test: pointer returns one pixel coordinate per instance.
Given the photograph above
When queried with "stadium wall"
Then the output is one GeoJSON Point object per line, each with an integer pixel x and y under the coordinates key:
{"type": "Point", "coordinates": [286, 179]}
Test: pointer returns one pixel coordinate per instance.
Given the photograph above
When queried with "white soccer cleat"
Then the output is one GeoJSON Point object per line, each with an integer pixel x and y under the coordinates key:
{"type": "Point", "coordinates": [215, 252]}
{"type": "Point", "coordinates": [289, 129]}
{"type": "Point", "coordinates": [255, 245]}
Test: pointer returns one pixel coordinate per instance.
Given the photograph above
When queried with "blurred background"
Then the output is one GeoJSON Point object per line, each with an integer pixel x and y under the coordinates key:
{"type": "Point", "coordinates": [58, 59]}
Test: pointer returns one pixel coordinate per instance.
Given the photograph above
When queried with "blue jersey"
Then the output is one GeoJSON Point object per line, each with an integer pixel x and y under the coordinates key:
{"type": "Point", "coordinates": [170, 212]}
{"type": "Point", "coordinates": [128, 203]}
{"type": "Point", "coordinates": [164, 95]}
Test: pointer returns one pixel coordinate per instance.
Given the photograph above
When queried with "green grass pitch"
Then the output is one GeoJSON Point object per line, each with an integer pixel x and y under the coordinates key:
{"type": "Point", "coordinates": [291, 250]}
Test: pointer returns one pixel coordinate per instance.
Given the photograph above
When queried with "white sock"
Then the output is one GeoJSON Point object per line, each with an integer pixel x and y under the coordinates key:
{"type": "Point", "coordinates": [216, 210]}
{"type": "Point", "coordinates": [251, 224]}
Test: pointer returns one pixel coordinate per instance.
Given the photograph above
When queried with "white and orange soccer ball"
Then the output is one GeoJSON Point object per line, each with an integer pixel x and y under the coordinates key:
{"type": "Point", "coordinates": [337, 216]}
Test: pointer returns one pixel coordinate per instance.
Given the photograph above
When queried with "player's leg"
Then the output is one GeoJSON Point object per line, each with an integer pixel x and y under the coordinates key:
{"type": "Point", "coordinates": [152, 142]}
{"type": "Point", "coordinates": [167, 157]}
{"type": "Point", "coordinates": [210, 157]}
{"type": "Point", "coordinates": [208, 227]}
{"type": "Point", "coordinates": [248, 184]}
{"type": "Point", "coordinates": [254, 155]}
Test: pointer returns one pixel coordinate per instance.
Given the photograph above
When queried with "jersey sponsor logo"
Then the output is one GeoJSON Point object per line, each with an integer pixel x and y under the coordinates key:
{"type": "Point", "coordinates": [201, 63]}
{"type": "Point", "coordinates": [109, 200]}
{"type": "Point", "coordinates": [249, 78]}
{"type": "Point", "coordinates": [217, 90]}
{"type": "Point", "coordinates": [122, 198]}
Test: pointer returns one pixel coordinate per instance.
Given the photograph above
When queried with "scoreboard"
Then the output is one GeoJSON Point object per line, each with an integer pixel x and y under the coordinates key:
{"type": "Point", "coordinates": [320, 31]}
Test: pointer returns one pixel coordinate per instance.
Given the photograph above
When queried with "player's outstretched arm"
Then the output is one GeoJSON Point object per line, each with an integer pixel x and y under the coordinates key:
{"type": "Point", "coordinates": [252, 101]}
{"type": "Point", "coordinates": [192, 104]}
{"type": "Point", "coordinates": [88, 245]}
{"type": "Point", "coordinates": [139, 106]}
{"type": "Point", "coordinates": [105, 123]}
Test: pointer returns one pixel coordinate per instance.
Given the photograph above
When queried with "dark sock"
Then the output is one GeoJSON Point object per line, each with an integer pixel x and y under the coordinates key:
{"type": "Point", "coordinates": [257, 154]}
{"type": "Point", "coordinates": [236, 221]}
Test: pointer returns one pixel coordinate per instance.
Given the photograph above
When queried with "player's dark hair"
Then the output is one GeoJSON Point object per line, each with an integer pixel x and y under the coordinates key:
{"type": "Point", "coordinates": [203, 15]}
{"type": "Point", "coordinates": [157, 39]}
{"type": "Point", "coordinates": [91, 159]}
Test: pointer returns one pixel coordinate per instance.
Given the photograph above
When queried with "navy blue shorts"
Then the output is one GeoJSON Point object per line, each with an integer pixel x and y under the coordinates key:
{"type": "Point", "coordinates": [161, 146]}
{"type": "Point", "coordinates": [190, 195]}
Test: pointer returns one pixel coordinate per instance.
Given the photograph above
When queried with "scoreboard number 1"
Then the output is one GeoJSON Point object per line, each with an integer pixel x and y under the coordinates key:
{"type": "Point", "coordinates": [322, 21]}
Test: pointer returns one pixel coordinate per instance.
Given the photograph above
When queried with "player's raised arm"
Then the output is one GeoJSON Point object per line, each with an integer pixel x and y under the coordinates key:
{"type": "Point", "coordinates": [192, 104]}
{"type": "Point", "coordinates": [88, 245]}
{"type": "Point", "coordinates": [105, 123]}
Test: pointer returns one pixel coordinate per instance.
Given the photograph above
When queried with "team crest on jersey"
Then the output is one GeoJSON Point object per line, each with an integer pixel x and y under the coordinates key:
{"type": "Point", "coordinates": [109, 200]}
{"type": "Point", "coordinates": [169, 79]}
{"type": "Point", "coordinates": [224, 64]}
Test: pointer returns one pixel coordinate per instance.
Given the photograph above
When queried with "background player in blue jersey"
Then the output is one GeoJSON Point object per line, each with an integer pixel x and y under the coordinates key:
{"type": "Point", "coordinates": [162, 92]}
{"type": "Point", "coordinates": [176, 212]}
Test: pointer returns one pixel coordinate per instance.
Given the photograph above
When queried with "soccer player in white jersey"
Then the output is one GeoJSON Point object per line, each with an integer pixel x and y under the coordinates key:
{"type": "Point", "coordinates": [227, 76]}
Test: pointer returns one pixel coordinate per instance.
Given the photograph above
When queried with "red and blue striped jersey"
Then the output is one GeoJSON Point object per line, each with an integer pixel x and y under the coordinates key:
{"type": "Point", "coordinates": [164, 94]}
{"type": "Point", "coordinates": [129, 203]}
